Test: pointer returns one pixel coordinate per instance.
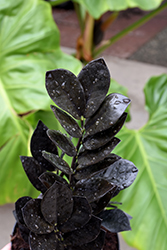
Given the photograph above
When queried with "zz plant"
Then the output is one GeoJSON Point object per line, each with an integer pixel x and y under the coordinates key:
{"type": "Point", "coordinates": [75, 210]}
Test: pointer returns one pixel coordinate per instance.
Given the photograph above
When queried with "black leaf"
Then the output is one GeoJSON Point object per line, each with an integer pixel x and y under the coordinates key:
{"type": "Point", "coordinates": [48, 179]}
{"type": "Point", "coordinates": [86, 234]}
{"type": "Point", "coordinates": [95, 79]}
{"type": "Point", "coordinates": [99, 205]}
{"type": "Point", "coordinates": [98, 140]}
{"type": "Point", "coordinates": [67, 122]}
{"type": "Point", "coordinates": [121, 173]}
{"type": "Point", "coordinates": [95, 244]}
{"type": "Point", "coordinates": [83, 171]}
{"type": "Point", "coordinates": [19, 204]}
{"type": "Point", "coordinates": [33, 171]}
{"type": "Point", "coordinates": [114, 104]}
{"type": "Point", "coordinates": [34, 219]}
{"type": "Point", "coordinates": [115, 220]}
{"type": "Point", "coordinates": [59, 163]}
{"type": "Point", "coordinates": [80, 216]}
{"type": "Point", "coordinates": [93, 188]}
{"type": "Point", "coordinates": [43, 241]}
{"type": "Point", "coordinates": [89, 157]}
{"type": "Point", "coordinates": [49, 204]}
{"type": "Point", "coordinates": [40, 142]}
{"type": "Point", "coordinates": [62, 141]}
{"type": "Point", "coordinates": [66, 91]}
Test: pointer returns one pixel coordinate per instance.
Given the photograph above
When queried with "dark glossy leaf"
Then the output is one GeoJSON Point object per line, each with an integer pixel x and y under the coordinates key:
{"type": "Point", "coordinates": [66, 91]}
{"type": "Point", "coordinates": [95, 244]}
{"type": "Point", "coordinates": [99, 205]}
{"type": "Point", "coordinates": [57, 162]}
{"type": "Point", "coordinates": [80, 216]}
{"type": "Point", "coordinates": [83, 172]}
{"type": "Point", "coordinates": [67, 122]}
{"type": "Point", "coordinates": [95, 79]}
{"type": "Point", "coordinates": [62, 141]}
{"type": "Point", "coordinates": [115, 220]}
{"type": "Point", "coordinates": [109, 112]}
{"type": "Point", "coordinates": [34, 219]}
{"type": "Point", "coordinates": [121, 173]}
{"type": "Point", "coordinates": [43, 242]}
{"type": "Point", "coordinates": [95, 141]}
{"type": "Point", "coordinates": [33, 171]}
{"type": "Point", "coordinates": [89, 157]}
{"type": "Point", "coordinates": [86, 234]}
{"type": "Point", "coordinates": [19, 204]}
{"type": "Point", "coordinates": [49, 204]}
{"type": "Point", "coordinates": [64, 203]}
{"type": "Point", "coordinates": [49, 178]}
{"type": "Point", "coordinates": [40, 142]}
{"type": "Point", "coordinates": [93, 189]}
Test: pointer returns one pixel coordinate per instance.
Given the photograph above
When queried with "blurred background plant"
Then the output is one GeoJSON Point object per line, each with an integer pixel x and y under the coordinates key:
{"type": "Point", "coordinates": [93, 24]}
{"type": "Point", "coordinates": [29, 46]}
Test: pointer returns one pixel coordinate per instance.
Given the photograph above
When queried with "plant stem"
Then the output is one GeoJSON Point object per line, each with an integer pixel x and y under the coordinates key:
{"type": "Point", "coordinates": [81, 16]}
{"type": "Point", "coordinates": [130, 28]}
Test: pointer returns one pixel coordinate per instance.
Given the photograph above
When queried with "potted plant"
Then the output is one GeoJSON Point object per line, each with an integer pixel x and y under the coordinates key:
{"type": "Point", "coordinates": [75, 209]}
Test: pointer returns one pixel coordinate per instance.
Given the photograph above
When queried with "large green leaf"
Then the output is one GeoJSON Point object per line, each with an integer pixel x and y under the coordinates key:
{"type": "Point", "coordinates": [29, 46]}
{"type": "Point", "coordinates": [146, 199]}
{"type": "Point", "coordinates": [98, 7]}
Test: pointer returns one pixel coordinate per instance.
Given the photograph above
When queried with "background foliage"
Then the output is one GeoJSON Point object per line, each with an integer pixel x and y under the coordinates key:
{"type": "Point", "coordinates": [146, 200]}
{"type": "Point", "coordinates": [29, 46]}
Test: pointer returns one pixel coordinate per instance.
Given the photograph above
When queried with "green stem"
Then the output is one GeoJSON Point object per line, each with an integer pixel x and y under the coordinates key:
{"type": "Point", "coordinates": [130, 28]}
{"type": "Point", "coordinates": [80, 16]}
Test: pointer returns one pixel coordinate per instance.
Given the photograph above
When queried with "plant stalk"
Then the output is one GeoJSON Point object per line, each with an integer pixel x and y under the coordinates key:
{"type": "Point", "coordinates": [130, 28]}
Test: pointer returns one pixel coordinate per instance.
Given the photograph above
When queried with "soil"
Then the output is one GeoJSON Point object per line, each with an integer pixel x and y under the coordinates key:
{"type": "Point", "coordinates": [18, 243]}
{"type": "Point", "coordinates": [111, 241]}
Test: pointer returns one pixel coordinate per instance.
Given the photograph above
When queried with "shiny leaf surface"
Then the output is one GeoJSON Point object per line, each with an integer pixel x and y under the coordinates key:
{"type": "Point", "coordinates": [121, 173]}
{"type": "Point", "coordinates": [66, 91]}
{"type": "Point", "coordinates": [33, 171]}
{"type": "Point", "coordinates": [98, 140]}
{"type": "Point", "coordinates": [62, 141]}
{"type": "Point", "coordinates": [93, 189]}
{"type": "Point", "coordinates": [80, 216]}
{"type": "Point", "coordinates": [64, 203]}
{"type": "Point", "coordinates": [49, 204]}
{"type": "Point", "coordinates": [34, 219]}
{"type": "Point", "coordinates": [99, 205]}
{"type": "Point", "coordinates": [40, 142]}
{"type": "Point", "coordinates": [89, 157]}
{"type": "Point", "coordinates": [48, 179]}
{"type": "Point", "coordinates": [115, 220]}
{"type": "Point", "coordinates": [87, 233]}
{"type": "Point", "coordinates": [43, 242]}
{"type": "Point", "coordinates": [95, 244]}
{"type": "Point", "coordinates": [95, 79]}
{"type": "Point", "coordinates": [19, 204]}
{"type": "Point", "coordinates": [83, 172]}
{"type": "Point", "coordinates": [114, 104]}
{"type": "Point", "coordinates": [67, 122]}
{"type": "Point", "coordinates": [59, 163]}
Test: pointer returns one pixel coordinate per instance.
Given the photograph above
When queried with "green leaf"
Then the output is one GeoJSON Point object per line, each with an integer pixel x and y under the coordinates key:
{"type": "Point", "coordinates": [97, 8]}
{"type": "Point", "coordinates": [146, 199]}
{"type": "Point", "coordinates": [29, 46]}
